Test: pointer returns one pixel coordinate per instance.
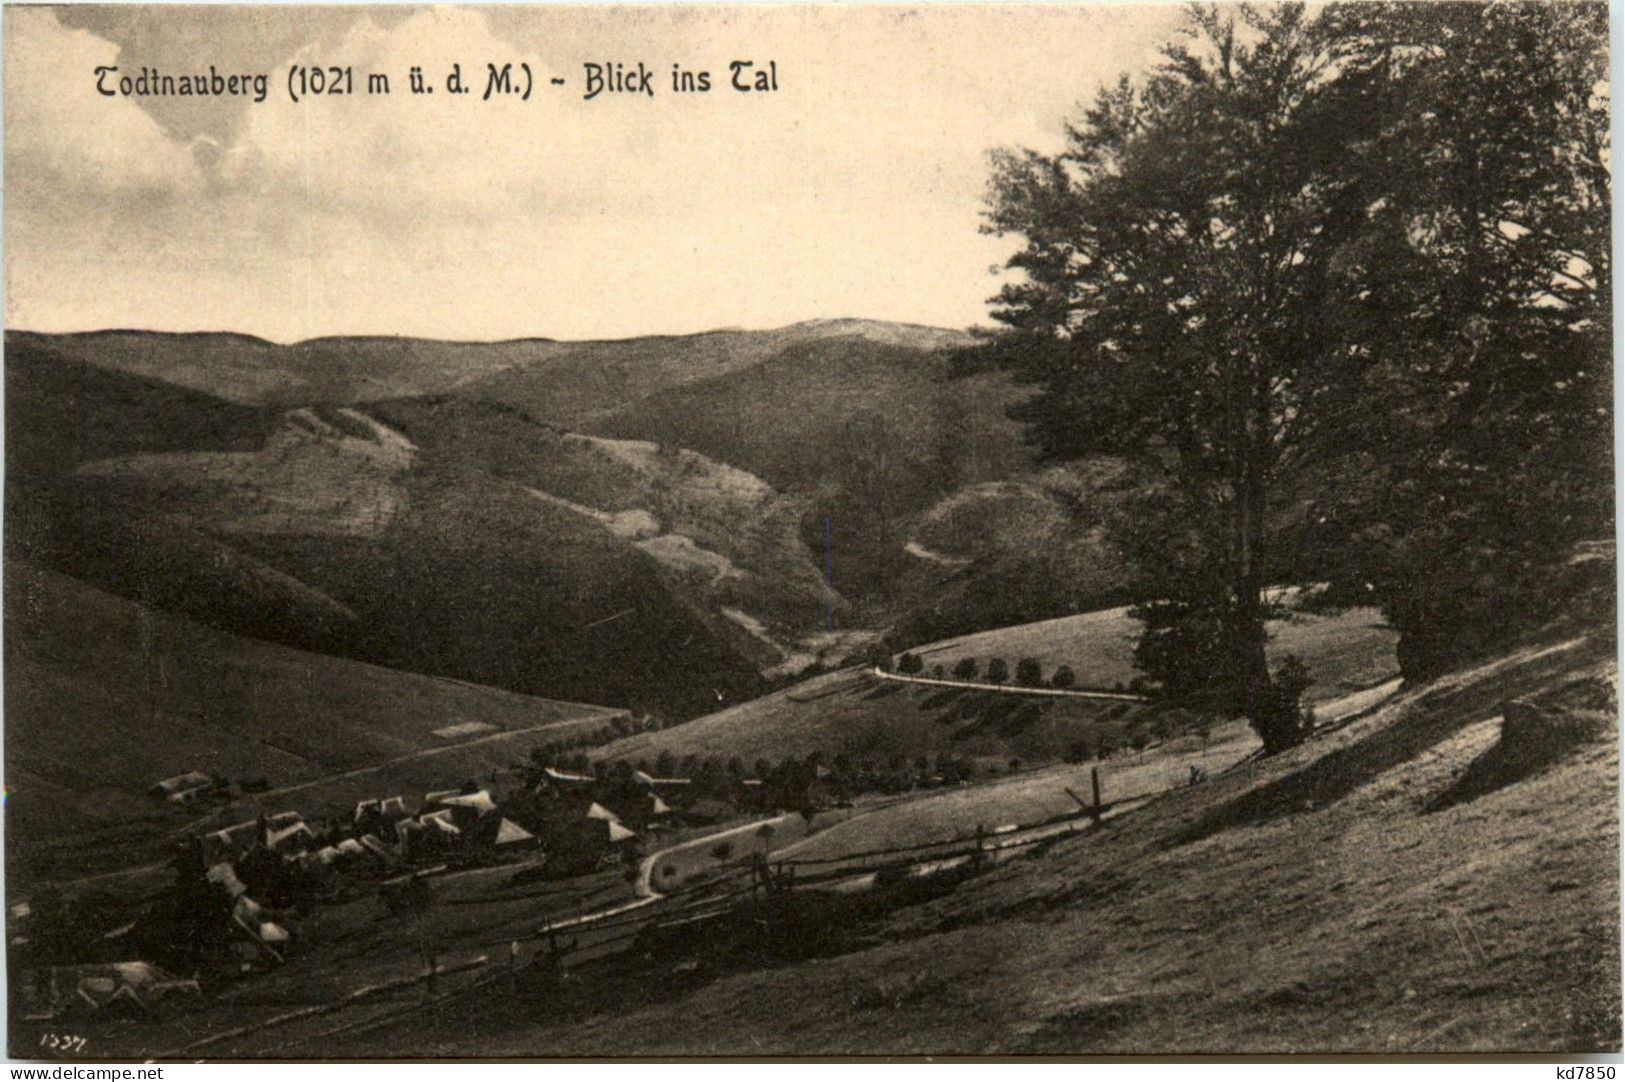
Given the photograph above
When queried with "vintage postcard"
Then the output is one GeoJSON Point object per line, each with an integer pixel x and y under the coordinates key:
{"type": "Point", "coordinates": [558, 531]}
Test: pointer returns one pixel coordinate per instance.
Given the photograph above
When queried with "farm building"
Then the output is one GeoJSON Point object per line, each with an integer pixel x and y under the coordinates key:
{"type": "Point", "coordinates": [598, 811]}
{"type": "Point", "coordinates": [291, 840]}
{"type": "Point", "coordinates": [134, 987]}
{"type": "Point", "coordinates": [511, 837]}
{"type": "Point", "coordinates": [469, 806]}
{"type": "Point", "coordinates": [257, 936]}
{"type": "Point", "coordinates": [224, 876]}
{"type": "Point", "coordinates": [176, 788]}
{"type": "Point", "coordinates": [578, 839]}
{"type": "Point", "coordinates": [230, 843]}
{"type": "Point", "coordinates": [462, 825]}
{"type": "Point", "coordinates": [387, 809]}
{"type": "Point", "coordinates": [285, 833]}
{"type": "Point", "coordinates": [648, 781]}
{"type": "Point", "coordinates": [562, 781]}
{"type": "Point", "coordinates": [381, 851]}
{"type": "Point", "coordinates": [645, 810]}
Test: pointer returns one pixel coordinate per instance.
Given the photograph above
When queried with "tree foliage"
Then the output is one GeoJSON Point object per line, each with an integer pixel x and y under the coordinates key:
{"type": "Point", "coordinates": [1473, 321]}
{"type": "Point", "coordinates": [1341, 280]}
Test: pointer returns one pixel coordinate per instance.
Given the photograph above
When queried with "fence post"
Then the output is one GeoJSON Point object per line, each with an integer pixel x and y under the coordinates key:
{"type": "Point", "coordinates": [1094, 782]}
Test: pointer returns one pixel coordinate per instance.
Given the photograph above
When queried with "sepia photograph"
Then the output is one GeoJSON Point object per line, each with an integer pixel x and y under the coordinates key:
{"type": "Point", "coordinates": [553, 532]}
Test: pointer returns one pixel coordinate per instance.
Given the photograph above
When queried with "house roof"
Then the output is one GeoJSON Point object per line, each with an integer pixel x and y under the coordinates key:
{"type": "Point", "coordinates": [100, 984]}
{"type": "Point", "coordinates": [227, 845]}
{"type": "Point", "coordinates": [618, 833]}
{"type": "Point", "coordinates": [598, 811]}
{"type": "Point", "coordinates": [225, 875]}
{"type": "Point", "coordinates": [648, 779]}
{"type": "Point", "coordinates": [376, 844]}
{"type": "Point", "coordinates": [388, 805]}
{"type": "Point", "coordinates": [441, 821]}
{"type": "Point", "coordinates": [236, 833]}
{"type": "Point", "coordinates": [481, 802]}
{"type": "Point", "coordinates": [567, 778]}
{"type": "Point", "coordinates": [192, 779]}
{"type": "Point", "coordinates": [511, 833]}
{"type": "Point", "coordinates": [277, 838]}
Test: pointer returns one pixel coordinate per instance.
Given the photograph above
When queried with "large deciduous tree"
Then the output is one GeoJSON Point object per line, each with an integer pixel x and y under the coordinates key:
{"type": "Point", "coordinates": [1348, 272]}
{"type": "Point", "coordinates": [1472, 330]}
{"type": "Point", "coordinates": [1177, 253]}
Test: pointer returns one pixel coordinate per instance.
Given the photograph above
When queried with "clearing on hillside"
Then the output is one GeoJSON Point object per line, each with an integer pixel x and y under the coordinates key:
{"type": "Point", "coordinates": [853, 712]}
{"type": "Point", "coordinates": [105, 697]}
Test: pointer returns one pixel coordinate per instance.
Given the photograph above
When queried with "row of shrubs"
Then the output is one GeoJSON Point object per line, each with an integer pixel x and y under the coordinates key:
{"type": "Point", "coordinates": [580, 738]}
{"type": "Point", "coordinates": [1029, 673]}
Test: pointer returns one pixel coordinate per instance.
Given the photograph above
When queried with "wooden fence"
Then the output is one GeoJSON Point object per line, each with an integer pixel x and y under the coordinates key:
{"type": "Point", "coordinates": [559, 943]}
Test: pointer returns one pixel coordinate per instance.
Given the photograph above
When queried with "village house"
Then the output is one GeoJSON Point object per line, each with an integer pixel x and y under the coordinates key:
{"type": "Point", "coordinates": [578, 836]}
{"type": "Point", "coordinates": [183, 788]}
{"type": "Point", "coordinates": [117, 987]}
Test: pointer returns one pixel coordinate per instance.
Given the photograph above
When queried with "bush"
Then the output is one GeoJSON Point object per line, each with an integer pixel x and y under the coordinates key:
{"type": "Point", "coordinates": [1029, 673]}
{"type": "Point", "coordinates": [938, 672]}
{"type": "Point", "coordinates": [966, 669]}
{"type": "Point", "coordinates": [1281, 720]}
{"type": "Point", "coordinates": [910, 664]}
{"type": "Point", "coordinates": [1063, 678]}
{"type": "Point", "coordinates": [997, 671]}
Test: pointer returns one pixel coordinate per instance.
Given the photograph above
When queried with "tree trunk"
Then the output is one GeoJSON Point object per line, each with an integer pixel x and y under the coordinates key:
{"type": "Point", "coordinates": [1275, 720]}
{"type": "Point", "coordinates": [1252, 665]}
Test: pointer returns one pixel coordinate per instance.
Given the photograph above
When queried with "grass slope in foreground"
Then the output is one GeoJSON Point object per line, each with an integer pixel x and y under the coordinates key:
{"type": "Point", "coordinates": [1401, 885]}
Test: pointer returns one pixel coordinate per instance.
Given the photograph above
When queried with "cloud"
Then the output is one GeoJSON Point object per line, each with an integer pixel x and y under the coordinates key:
{"type": "Point", "coordinates": [398, 156]}
{"type": "Point", "coordinates": [853, 190]}
{"type": "Point", "coordinates": [71, 136]}
{"type": "Point", "coordinates": [233, 38]}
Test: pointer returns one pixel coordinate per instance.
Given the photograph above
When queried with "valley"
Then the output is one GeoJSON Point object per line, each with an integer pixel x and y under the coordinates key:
{"type": "Point", "coordinates": [643, 685]}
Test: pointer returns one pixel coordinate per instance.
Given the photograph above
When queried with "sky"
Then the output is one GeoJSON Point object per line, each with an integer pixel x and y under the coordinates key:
{"type": "Point", "coordinates": [854, 190]}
